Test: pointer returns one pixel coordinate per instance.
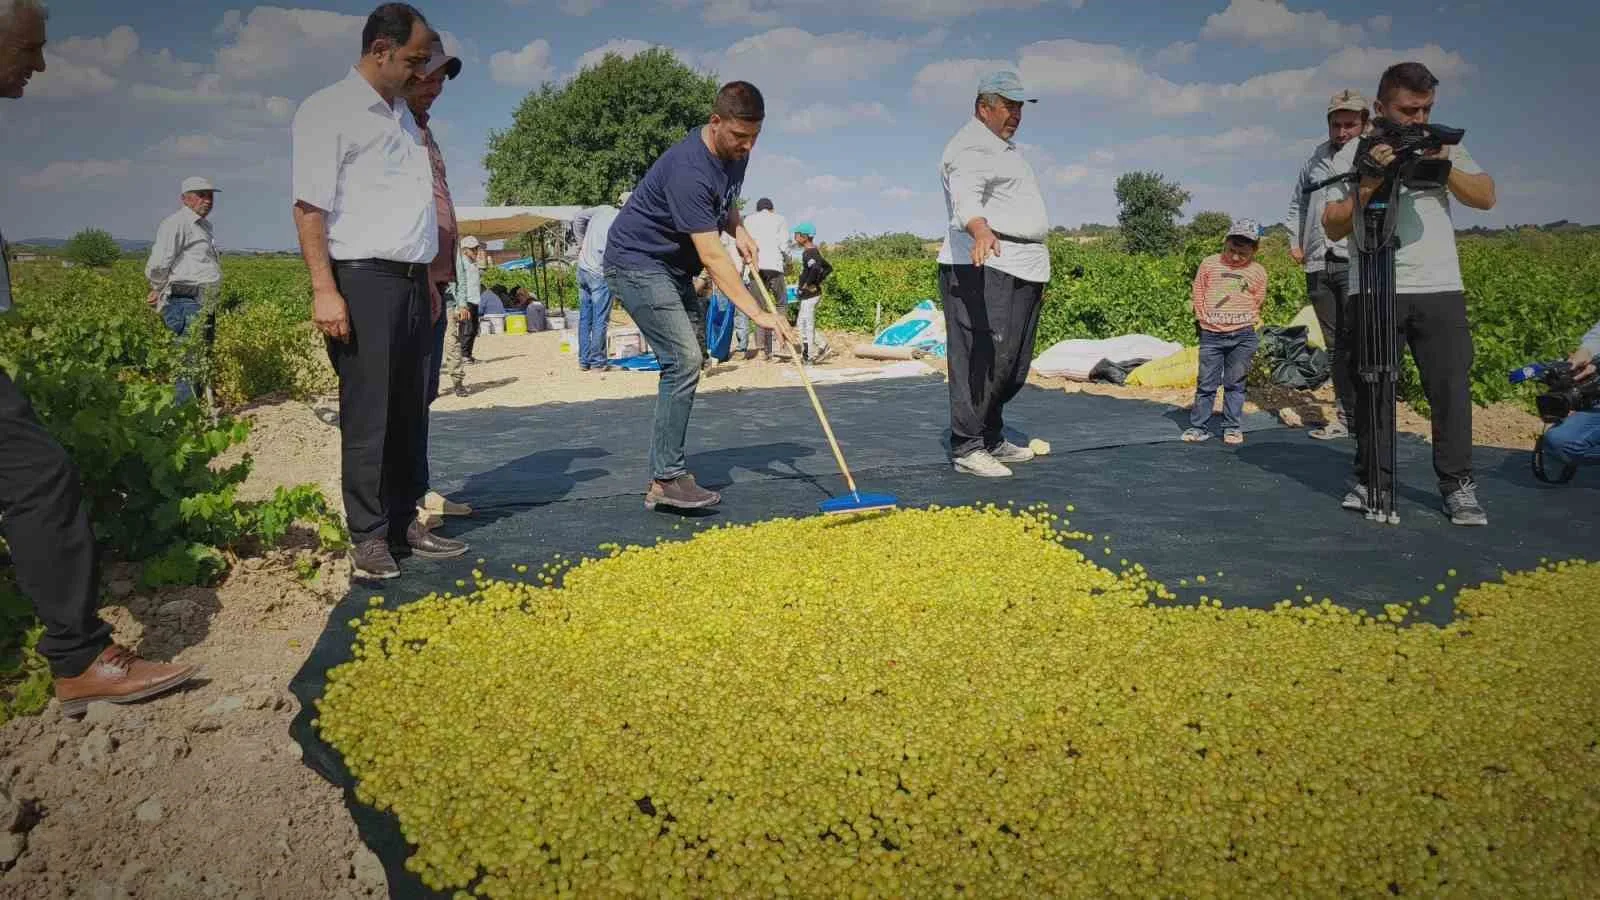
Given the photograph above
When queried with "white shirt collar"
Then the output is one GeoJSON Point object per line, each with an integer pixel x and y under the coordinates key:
{"type": "Point", "coordinates": [362, 90]}
{"type": "Point", "coordinates": [981, 131]}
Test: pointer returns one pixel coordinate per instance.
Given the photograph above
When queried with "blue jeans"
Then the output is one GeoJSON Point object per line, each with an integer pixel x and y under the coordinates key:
{"type": "Point", "coordinates": [665, 308]}
{"type": "Point", "coordinates": [594, 312]}
{"type": "Point", "coordinates": [1224, 362]}
{"type": "Point", "coordinates": [179, 313]}
{"type": "Point", "coordinates": [1577, 440]}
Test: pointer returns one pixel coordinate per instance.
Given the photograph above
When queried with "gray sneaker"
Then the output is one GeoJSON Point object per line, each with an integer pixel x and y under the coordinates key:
{"type": "Point", "coordinates": [980, 463]}
{"type": "Point", "coordinates": [371, 560]}
{"type": "Point", "coordinates": [1007, 452]}
{"type": "Point", "coordinates": [1357, 498]}
{"type": "Point", "coordinates": [1462, 505]}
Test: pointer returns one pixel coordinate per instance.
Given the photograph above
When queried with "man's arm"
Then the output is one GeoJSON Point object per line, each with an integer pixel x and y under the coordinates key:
{"type": "Point", "coordinates": [1476, 190]}
{"type": "Point", "coordinates": [726, 277]}
{"type": "Point", "coordinates": [328, 308]}
{"type": "Point", "coordinates": [163, 256]}
{"type": "Point", "coordinates": [965, 176]}
{"type": "Point", "coordinates": [1296, 220]}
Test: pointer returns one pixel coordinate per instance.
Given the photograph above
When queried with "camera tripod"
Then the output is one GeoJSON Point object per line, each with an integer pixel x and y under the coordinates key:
{"type": "Point", "coordinates": [1377, 348]}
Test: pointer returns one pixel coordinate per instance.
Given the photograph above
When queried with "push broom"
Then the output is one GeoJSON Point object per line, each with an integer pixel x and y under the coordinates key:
{"type": "Point", "coordinates": [856, 501]}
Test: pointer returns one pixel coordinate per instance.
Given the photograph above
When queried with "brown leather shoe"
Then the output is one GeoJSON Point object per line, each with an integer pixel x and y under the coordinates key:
{"type": "Point", "coordinates": [371, 560]}
{"type": "Point", "coordinates": [428, 545]}
{"type": "Point", "coordinates": [680, 493]}
{"type": "Point", "coordinates": [118, 676]}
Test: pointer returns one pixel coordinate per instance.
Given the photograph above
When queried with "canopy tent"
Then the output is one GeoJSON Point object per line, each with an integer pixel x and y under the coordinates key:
{"type": "Point", "coordinates": [493, 223]}
{"type": "Point", "coordinates": [508, 223]}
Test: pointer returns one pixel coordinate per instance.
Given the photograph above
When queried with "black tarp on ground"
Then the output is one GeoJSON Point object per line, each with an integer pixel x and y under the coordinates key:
{"type": "Point", "coordinates": [566, 478]}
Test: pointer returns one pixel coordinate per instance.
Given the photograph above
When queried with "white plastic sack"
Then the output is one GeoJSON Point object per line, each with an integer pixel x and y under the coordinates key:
{"type": "Point", "coordinates": [1074, 359]}
{"type": "Point", "coordinates": [922, 327]}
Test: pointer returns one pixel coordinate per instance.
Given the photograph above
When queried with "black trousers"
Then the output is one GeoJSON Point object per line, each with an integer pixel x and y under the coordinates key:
{"type": "Point", "coordinates": [382, 379]}
{"type": "Point", "coordinates": [1435, 327]}
{"type": "Point", "coordinates": [51, 542]}
{"type": "Point", "coordinates": [1329, 292]}
{"type": "Point", "coordinates": [990, 318]}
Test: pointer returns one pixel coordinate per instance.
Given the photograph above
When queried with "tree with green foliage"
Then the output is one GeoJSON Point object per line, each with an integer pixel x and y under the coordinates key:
{"type": "Point", "coordinates": [1150, 205]}
{"type": "Point", "coordinates": [92, 247]}
{"type": "Point", "coordinates": [897, 245]}
{"type": "Point", "coordinates": [1209, 225]}
{"type": "Point", "coordinates": [588, 140]}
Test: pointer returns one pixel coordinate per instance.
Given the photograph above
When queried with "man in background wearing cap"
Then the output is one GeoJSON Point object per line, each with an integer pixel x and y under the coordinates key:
{"type": "Point", "coordinates": [594, 295]}
{"type": "Point", "coordinates": [420, 97]}
{"type": "Point", "coordinates": [992, 271]}
{"type": "Point", "coordinates": [770, 231]}
{"type": "Point", "coordinates": [463, 298]}
{"type": "Point", "coordinates": [368, 226]}
{"type": "Point", "coordinates": [813, 271]}
{"type": "Point", "coordinates": [183, 270]}
{"type": "Point", "coordinates": [1326, 262]}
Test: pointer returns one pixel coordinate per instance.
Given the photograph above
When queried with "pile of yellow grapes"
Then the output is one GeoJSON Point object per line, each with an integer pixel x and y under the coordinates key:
{"type": "Point", "coordinates": [959, 701]}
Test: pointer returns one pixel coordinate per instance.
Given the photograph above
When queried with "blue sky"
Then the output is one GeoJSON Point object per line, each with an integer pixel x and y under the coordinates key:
{"type": "Point", "coordinates": [1224, 95]}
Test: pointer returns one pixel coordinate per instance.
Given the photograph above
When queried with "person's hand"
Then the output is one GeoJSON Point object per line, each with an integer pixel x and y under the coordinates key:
{"type": "Point", "coordinates": [747, 247]}
{"type": "Point", "coordinates": [331, 315]}
{"type": "Point", "coordinates": [779, 323]}
{"type": "Point", "coordinates": [984, 245]}
{"type": "Point", "coordinates": [1296, 254]}
{"type": "Point", "coordinates": [153, 298]}
{"type": "Point", "coordinates": [435, 303]}
{"type": "Point", "coordinates": [1383, 156]}
{"type": "Point", "coordinates": [1582, 364]}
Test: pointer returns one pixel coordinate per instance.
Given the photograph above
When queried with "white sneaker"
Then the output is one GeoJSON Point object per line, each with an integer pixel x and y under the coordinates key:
{"type": "Point", "coordinates": [980, 463]}
{"type": "Point", "coordinates": [1007, 452]}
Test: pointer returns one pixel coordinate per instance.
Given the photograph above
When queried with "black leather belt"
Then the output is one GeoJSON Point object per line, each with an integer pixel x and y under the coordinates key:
{"type": "Point", "coordinates": [1013, 239]}
{"type": "Point", "coordinates": [386, 266]}
{"type": "Point", "coordinates": [1336, 260]}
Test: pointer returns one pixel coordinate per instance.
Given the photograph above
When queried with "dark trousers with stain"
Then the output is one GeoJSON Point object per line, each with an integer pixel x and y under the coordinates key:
{"type": "Point", "coordinates": [990, 319]}
{"type": "Point", "coordinates": [51, 542]}
{"type": "Point", "coordinates": [1329, 292]}
{"type": "Point", "coordinates": [1435, 327]}
{"type": "Point", "coordinates": [382, 373]}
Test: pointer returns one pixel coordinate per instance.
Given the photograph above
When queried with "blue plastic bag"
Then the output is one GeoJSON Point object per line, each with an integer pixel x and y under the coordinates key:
{"type": "Point", "coordinates": [719, 327]}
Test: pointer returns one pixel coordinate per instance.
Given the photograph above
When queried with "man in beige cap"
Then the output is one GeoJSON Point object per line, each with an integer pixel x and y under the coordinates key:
{"type": "Point", "coordinates": [1327, 262]}
{"type": "Point", "coordinates": [184, 270]}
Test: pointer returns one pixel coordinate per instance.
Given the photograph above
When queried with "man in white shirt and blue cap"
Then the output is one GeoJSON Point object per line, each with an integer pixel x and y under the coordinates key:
{"type": "Point", "coordinates": [184, 269]}
{"type": "Point", "coordinates": [992, 271]}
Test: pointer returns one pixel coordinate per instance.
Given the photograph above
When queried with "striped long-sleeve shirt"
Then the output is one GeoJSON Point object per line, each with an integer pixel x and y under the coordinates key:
{"type": "Point", "coordinates": [1228, 298]}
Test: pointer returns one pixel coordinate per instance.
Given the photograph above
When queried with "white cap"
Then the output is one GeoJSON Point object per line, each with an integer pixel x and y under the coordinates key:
{"type": "Point", "coordinates": [196, 183]}
{"type": "Point", "coordinates": [470, 242]}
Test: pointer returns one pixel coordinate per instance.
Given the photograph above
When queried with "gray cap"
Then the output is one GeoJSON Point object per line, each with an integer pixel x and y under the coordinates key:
{"type": "Point", "coordinates": [196, 183]}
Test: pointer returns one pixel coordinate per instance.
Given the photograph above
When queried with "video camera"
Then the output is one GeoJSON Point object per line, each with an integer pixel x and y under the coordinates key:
{"type": "Point", "coordinates": [1411, 144]}
{"type": "Point", "coordinates": [1563, 396]}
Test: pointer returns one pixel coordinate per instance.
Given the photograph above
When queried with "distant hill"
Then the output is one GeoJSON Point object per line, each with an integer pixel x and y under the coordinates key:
{"type": "Point", "coordinates": [124, 244]}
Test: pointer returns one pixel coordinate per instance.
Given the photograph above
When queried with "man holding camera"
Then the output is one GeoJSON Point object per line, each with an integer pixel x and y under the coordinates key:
{"type": "Point", "coordinates": [1577, 440]}
{"type": "Point", "coordinates": [1327, 263]}
{"type": "Point", "coordinates": [1430, 302]}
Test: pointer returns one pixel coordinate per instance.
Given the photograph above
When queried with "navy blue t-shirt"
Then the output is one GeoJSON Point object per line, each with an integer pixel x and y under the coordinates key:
{"type": "Point", "coordinates": [687, 191]}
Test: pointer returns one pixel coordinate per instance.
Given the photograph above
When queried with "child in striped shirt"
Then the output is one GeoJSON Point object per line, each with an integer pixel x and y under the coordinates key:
{"type": "Point", "coordinates": [1228, 292]}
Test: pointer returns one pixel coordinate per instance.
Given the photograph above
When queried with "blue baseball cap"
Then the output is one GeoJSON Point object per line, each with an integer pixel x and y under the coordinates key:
{"type": "Point", "coordinates": [1006, 84]}
{"type": "Point", "coordinates": [807, 229]}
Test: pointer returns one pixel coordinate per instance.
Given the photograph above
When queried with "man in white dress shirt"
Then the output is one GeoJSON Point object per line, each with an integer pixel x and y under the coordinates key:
{"type": "Point", "coordinates": [183, 270]}
{"type": "Point", "coordinates": [770, 230]}
{"type": "Point", "coordinates": [364, 210]}
{"type": "Point", "coordinates": [992, 271]}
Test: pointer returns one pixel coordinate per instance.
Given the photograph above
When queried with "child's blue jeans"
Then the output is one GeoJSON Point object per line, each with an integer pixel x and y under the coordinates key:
{"type": "Point", "coordinates": [1224, 362]}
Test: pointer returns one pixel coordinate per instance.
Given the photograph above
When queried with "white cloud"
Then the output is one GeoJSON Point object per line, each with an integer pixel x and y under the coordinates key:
{"type": "Point", "coordinates": [782, 55]}
{"type": "Point", "coordinates": [580, 7]}
{"type": "Point", "coordinates": [1177, 53]}
{"type": "Point", "coordinates": [196, 146]}
{"type": "Point", "coordinates": [766, 13]}
{"type": "Point", "coordinates": [528, 67]}
{"type": "Point", "coordinates": [826, 116]}
{"type": "Point", "coordinates": [831, 184]}
{"type": "Point", "coordinates": [111, 51]}
{"type": "Point", "coordinates": [280, 108]}
{"type": "Point", "coordinates": [737, 12]}
{"type": "Point", "coordinates": [1380, 24]}
{"type": "Point", "coordinates": [899, 194]}
{"type": "Point", "coordinates": [1109, 72]}
{"type": "Point", "coordinates": [1066, 176]}
{"type": "Point", "coordinates": [65, 173]}
{"type": "Point", "coordinates": [1270, 23]}
{"type": "Point", "coordinates": [272, 41]}
{"type": "Point", "coordinates": [63, 80]}
{"type": "Point", "coordinates": [627, 48]}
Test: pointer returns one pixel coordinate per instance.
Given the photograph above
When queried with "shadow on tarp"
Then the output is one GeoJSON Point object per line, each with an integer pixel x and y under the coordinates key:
{"type": "Point", "coordinates": [1265, 514]}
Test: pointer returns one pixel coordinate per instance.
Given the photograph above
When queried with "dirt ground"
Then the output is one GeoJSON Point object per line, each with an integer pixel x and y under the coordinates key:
{"type": "Point", "coordinates": [202, 793]}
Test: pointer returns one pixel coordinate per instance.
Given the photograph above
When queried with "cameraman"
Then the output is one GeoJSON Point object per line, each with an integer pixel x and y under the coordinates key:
{"type": "Point", "coordinates": [1577, 440]}
{"type": "Point", "coordinates": [1430, 303]}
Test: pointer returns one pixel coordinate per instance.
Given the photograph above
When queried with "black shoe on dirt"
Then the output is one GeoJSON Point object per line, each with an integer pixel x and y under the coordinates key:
{"type": "Point", "coordinates": [371, 561]}
{"type": "Point", "coordinates": [680, 493]}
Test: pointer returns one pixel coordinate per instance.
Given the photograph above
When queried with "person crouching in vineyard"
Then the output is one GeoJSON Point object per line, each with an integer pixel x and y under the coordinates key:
{"type": "Point", "coordinates": [41, 510]}
{"type": "Point", "coordinates": [1228, 292]}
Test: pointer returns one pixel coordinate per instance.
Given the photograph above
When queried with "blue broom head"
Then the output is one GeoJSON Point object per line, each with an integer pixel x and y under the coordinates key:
{"type": "Point", "coordinates": [858, 502]}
